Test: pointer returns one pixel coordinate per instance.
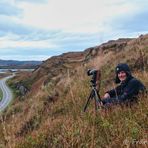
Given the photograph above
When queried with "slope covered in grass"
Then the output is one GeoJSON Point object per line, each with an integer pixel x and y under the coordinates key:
{"type": "Point", "coordinates": [51, 113]}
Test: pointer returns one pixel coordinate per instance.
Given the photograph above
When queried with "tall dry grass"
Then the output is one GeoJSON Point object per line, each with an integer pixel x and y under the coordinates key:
{"type": "Point", "coordinates": [37, 122]}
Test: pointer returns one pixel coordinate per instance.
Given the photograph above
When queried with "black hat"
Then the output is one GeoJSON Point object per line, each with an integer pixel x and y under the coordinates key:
{"type": "Point", "coordinates": [122, 67]}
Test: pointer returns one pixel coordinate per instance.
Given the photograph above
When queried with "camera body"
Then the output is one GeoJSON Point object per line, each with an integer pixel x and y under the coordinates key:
{"type": "Point", "coordinates": [94, 74]}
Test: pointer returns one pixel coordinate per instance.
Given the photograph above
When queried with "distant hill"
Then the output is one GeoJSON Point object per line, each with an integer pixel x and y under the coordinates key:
{"type": "Point", "coordinates": [18, 64]}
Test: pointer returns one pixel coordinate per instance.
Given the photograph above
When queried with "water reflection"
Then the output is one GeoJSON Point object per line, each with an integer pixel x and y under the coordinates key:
{"type": "Point", "coordinates": [14, 70]}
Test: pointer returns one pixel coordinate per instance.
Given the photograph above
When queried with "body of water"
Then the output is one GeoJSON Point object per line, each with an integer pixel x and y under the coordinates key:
{"type": "Point", "coordinates": [14, 70]}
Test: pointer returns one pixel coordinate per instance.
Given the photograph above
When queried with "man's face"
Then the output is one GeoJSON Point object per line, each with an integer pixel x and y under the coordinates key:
{"type": "Point", "coordinates": [122, 76]}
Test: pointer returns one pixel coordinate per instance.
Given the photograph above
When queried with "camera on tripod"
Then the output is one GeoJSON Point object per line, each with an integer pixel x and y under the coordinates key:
{"type": "Point", "coordinates": [94, 94]}
{"type": "Point", "coordinates": [94, 73]}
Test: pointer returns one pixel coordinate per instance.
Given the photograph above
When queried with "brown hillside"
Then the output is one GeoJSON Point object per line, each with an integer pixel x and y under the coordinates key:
{"type": "Point", "coordinates": [59, 64]}
{"type": "Point", "coordinates": [50, 114]}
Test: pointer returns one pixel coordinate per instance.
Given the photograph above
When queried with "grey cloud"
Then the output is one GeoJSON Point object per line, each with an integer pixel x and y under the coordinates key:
{"type": "Point", "coordinates": [25, 33]}
{"type": "Point", "coordinates": [32, 1]}
{"type": "Point", "coordinates": [25, 51]}
{"type": "Point", "coordinates": [7, 25]}
{"type": "Point", "coordinates": [9, 10]}
{"type": "Point", "coordinates": [132, 23]}
{"type": "Point", "coordinates": [41, 34]}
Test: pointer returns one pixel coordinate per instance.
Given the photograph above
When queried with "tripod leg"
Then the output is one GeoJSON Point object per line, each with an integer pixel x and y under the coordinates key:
{"type": "Point", "coordinates": [97, 96]}
{"type": "Point", "coordinates": [97, 99]}
{"type": "Point", "coordinates": [88, 100]}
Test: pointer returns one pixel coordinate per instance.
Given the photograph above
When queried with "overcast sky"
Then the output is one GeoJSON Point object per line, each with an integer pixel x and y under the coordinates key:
{"type": "Point", "coordinates": [39, 29]}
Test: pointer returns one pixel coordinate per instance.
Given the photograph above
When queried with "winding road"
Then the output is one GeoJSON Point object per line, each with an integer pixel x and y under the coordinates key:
{"type": "Point", "coordinates": [7, 94]}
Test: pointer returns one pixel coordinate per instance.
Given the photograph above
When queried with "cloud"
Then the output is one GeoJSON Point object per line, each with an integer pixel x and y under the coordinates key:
{"type": "Point", "coordinates": [139, 22]}
{"type": "Point", "coordinates": [23, 53]}
{"type": "Point", "coordinates": [8, 9]}
{"type": "Point", "coordinates": [28, 53]}
{"type": "Point", "coordinates": [75, 16]}
{"type": "Point", "coordinates": [136, 22]}
{"type": "Point", "coordinates": [7, 42]}
{"type": "Point", "coordinates": [8, 25]}
{"type": "Point", "coordinates": [32, 1]}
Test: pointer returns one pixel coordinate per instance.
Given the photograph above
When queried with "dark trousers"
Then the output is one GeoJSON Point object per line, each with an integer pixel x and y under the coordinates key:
{"type": "Point", "coordinates": [117, 100]}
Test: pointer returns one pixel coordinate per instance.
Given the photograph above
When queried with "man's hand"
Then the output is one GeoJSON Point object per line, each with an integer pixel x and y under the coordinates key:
{"type": "Point", "coordinates": [106, 96]}
{"type": "Point", "coordinates": [100, 104]}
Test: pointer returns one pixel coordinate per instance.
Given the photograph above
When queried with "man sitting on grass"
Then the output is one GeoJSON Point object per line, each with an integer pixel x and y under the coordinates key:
{"type": "Point", "coordinates": [127, 90]}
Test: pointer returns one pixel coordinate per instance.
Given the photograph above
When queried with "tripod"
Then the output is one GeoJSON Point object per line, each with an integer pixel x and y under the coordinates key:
{"type": "Point", "coordinates": [93, 95]}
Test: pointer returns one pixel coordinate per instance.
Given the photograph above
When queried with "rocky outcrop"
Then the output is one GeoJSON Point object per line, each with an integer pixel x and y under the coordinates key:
{"type": "Point", "coordinates": [22, 89]}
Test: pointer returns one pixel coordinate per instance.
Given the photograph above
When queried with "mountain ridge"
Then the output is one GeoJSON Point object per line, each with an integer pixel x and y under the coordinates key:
{"type": "Point", "coordinates": [4, 64]}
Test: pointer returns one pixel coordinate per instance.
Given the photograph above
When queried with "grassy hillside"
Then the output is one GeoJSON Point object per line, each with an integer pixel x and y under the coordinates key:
{"type": "Point", "coordinates": [51, 113]}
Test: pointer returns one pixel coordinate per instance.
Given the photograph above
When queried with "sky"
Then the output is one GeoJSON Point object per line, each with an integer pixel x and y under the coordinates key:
{"type": "Point", "coordinates": [39, 29]}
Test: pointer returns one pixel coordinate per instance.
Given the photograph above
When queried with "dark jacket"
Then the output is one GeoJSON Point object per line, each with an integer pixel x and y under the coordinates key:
{"type": "Point", "coordinates": [126, 91]}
